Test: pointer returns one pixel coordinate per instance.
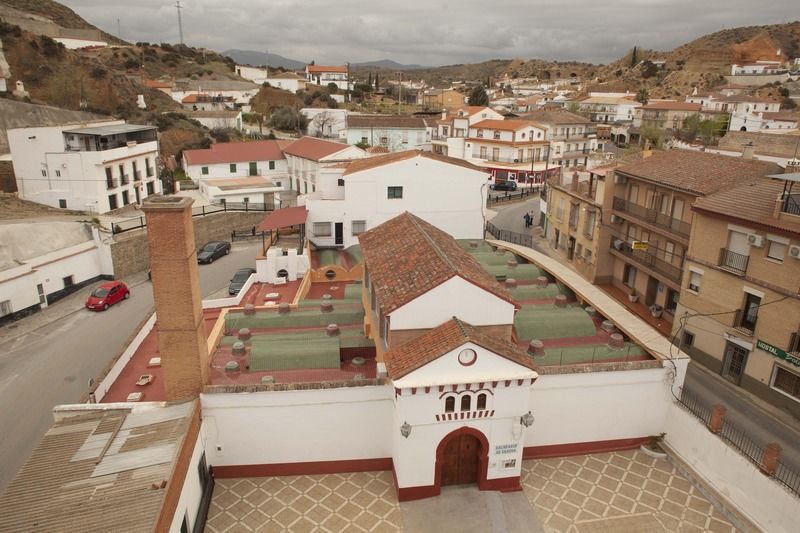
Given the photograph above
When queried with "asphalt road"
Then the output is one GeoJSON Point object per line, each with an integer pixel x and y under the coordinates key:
{"type": "Point", "coordinates": [509, 216]}
{"type": "Point", "coordinates": [52, 365]}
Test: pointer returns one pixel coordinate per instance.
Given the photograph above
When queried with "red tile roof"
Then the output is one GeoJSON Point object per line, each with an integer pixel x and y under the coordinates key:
{"type": "Point", "coordinates": [759, 208]}
{"type": "Point", "coordinates": [407, 257]}
{"type": "Point", "coordinates": [155, 84]}
{"type": "Point", "coordinates": [284, 218]}
{"type": "Point", "coordinates": [322, 68]}
{"type": "Point", "coordinates": [235, 152]}
{"type": "Point", "coordinates": [444, 339]}
{"type": "Point", "coordinates": [313, 148]}
{"type": "Point", "coordinates": [555, 116]}
{"type": "Point", "coordinates": [672, 106]}
{"type": "Point", "coordinates": [360, 165]}
{"type": "Point", "coordinates": [698, 173]}
{"type": "Point", "coordinates": [505, 125]}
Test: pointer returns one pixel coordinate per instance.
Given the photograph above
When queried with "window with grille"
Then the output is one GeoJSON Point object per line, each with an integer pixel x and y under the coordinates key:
{"type": "Point", "coordinates": [394, 192]}
{"type": "Point", "coordinates": [794, 343]}
{"type": "Point", "coordinates": [786, 382]}
{"type": "Point", "coordinates": [322, 229]}
{"type": "Point", "coordinates": [359, 226]}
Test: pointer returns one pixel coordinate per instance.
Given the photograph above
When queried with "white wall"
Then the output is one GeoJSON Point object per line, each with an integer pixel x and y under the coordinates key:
{"type": "Point", "coordinates": [192, 491]}
{"type": "Point", "coordinates": [454, 297]}
{"type": "Point", "coordinates": [297, 426]}
{"type": "Point", "coordinates": [448, 196]}
{"type": "Point", "coordinates": [766, 503]}
{"type": "Point", "coordinates": [223, 170]}
{"type": "Point", "coordinates": [74, 44]}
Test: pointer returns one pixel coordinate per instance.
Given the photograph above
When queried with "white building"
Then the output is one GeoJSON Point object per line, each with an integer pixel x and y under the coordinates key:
{"type": "Point", "coordinates": [325, 75]}
{"type": "Point", "coordinates": [571, 137]}
{"type": "Point", "coordinates": [452, 129]}
{"type": "Point", "coordinates": [97, 167]}
{"type": "Point", "coordinates": [43, 262]}
{"type": "Point", "coordinates": [306, 156]}
{"type": "Point", "coordinates": [234, 171]}
{"type": "Point", "coordinates": [610, 109]}
{"type": "Point", "coordinates": [288, 81]}
{"type": "Point", "coordinates": [393, 132]}
{"type": "Point", "coordinates": [5, 70]}
{"type": "Point", "coordinates": [223, 119]}
{"type": "Point", "coordinates": [325, 122]}
{"type": "Point", "coordinates": [240, 91]}
{"type": "Point", "coordinates": [446, 192]}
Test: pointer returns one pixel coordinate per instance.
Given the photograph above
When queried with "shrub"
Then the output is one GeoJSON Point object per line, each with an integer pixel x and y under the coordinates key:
{"type": "Point", "coordinates": [131, 64]}
{"type": "Point", "coordinates": [98, 73]}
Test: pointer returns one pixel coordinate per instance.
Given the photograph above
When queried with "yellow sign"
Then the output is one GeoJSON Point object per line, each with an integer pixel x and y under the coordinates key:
{"type": "Point", "coordinates": [640, 245]}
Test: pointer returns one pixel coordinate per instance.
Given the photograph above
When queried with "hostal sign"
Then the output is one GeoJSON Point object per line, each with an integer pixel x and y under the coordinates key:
{"type": "Point", "coordinates": [777, 352]}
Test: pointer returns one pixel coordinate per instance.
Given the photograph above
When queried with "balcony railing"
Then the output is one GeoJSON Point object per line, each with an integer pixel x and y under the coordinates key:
{"type": "Point", "coordinates": [149, 172]}
{"type": "Point", "coordinates": [652, 216]}
{"type": "Point", "coordinates": [124, 179]}
{"type": "Point", "coordinates": [137, 176]}
{"type": "Point", "coordinates": [745, 322]}
{"type": "Point", "coordinates": [732, 261]}
{"type": "Point", "coordinates": [649, 259]}
{"type": "Point", "coordinates": [503, 158]}
{"type": "Point", "coordinates": [112, 183]}
{"type": "Point", "coordinates": [791, 204]}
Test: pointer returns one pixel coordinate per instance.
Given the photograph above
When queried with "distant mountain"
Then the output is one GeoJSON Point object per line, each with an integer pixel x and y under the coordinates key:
{"type": "Point", "coordinates": [251, 57]}
{"type": "Point", "coordinates": [387, 64]}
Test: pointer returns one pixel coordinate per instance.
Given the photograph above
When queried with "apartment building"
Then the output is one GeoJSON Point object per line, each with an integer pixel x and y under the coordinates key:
{"type": "Point", "coordinates": [571, 137]}
{"type": "Point", "coordinates": [610, 109]}
{"type": "Point", "coordinates": [740, 308]}
{"type": "Point", "coordinates": [96, 167]}
{"type": "Point", "coordinates": [452, 129]}
{"type": "Point", "coordinates": [325, 75]}
{"type": "Point", "coordinates": [664, 114]}
{"type": "Point", "coordinates": [647, 210]}
{"type": "Point", "coordinates": [573, 222]}
{"type": "Point", "coordinates": [508, 149]}
{"type": "Point", "coordinates": [443, 99]}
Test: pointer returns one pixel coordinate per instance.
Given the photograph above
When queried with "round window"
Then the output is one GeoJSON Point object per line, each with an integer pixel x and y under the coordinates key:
{"type": "Point", "coordinates": [467, 356]}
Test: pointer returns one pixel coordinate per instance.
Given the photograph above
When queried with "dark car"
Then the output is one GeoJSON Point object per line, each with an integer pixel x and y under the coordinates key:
{"type": "Point", "coordinates": [239, 279]}
{"type": "Point", "coordinates": [504, 186]}
{"type": "Point", "coordinates": [213, 250]}
{"type": "Point", "coordinates": [106, 295]}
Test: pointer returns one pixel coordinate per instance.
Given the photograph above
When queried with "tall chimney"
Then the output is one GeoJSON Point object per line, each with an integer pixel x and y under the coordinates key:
{"type": "Point", "coordinates": [176, 289]}
{"type": "Point", "coordinates": [575, 182]}
{"type": "Point", "coordinates": [749, 151]}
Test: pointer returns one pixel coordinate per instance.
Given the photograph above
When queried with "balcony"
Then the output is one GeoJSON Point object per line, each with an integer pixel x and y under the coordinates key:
{"type": "Point", "coordinates": [652, 216]}
{"type": "Point", "coordinates": [745, 322]}
{"type": "Point", "coordinates": [137, 176]}
{"type": "Point", "coordinates": [149, 172]}
{"type": "Point", "coordinates": [124, 179]}
{"type": "Point", "coordinates": [649, 259]}
{"type": "Point", "coordinates": [112, 183]}
{"type": "Point", "coordinates": [791, 204]}
{"type": "Point", "coordinates": [568, 136]}
{"type": "Point", "coordinates": [733, 262]}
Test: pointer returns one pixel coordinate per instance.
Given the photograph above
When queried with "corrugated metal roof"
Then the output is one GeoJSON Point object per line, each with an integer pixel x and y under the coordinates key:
{"type": "Point", "coordinates": [93, 470]}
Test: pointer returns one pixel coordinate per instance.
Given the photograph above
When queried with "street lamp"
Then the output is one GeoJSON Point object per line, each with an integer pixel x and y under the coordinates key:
{"type": "Point", "coordinates": [526, 419]}
{"type": "Point", "coordinates": [405, 430]}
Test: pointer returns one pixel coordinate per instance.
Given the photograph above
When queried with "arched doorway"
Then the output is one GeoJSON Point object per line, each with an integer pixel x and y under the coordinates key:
{"type": "Point", "coordinates": [462, 457]}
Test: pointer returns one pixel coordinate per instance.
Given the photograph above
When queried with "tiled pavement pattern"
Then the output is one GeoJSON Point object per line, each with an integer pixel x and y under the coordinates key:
{"type": "Point", "coordinates": [361, 501]}
{"type": "Point", "coordinates": [617, 491]}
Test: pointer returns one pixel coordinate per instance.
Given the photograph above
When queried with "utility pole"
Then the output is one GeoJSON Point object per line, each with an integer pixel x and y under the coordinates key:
{"type": "Point", "coordinates": [180, 22]}
{"type": "Point", "coordinates": [119, 30]}
{"type": "Point", "coordinates": [266, 69]}
{"type": "Point", "coordinates": [400, 93]}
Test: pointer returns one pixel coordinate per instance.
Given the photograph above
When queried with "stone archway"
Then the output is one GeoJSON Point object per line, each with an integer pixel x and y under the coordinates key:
{"type": "Point", "coordinates": [462, 457]}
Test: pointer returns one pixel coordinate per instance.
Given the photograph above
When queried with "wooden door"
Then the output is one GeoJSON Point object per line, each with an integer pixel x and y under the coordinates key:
{"type": "Point", "coordinates": [461, 461]}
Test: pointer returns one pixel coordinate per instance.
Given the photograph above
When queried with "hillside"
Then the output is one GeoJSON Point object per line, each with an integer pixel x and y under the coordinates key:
{"type": "Point", "coordinates": [251, 57]}
{"type": "Point", "coordinates": [57, 13]}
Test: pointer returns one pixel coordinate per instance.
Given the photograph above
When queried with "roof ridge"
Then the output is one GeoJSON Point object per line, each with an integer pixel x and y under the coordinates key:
{"type": "Point", "coordinates": [461, 327]}
{"type": "Point", "coordinates": [433, 244]}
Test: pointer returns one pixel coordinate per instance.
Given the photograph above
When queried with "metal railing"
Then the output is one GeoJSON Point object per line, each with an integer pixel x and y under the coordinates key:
{"type": "Point", "coordinates": [198, 211]}
{"type": "Point", "coordinates": [137, 175]}
{"type": "Point", "coordinates": [744, 323]}
{"type": "Point", "coordinates": [649, 260]}
{"type": "Point", "coordinates": [510, 196]}
{"type": "Point", "coordinates": [735, 262]}
{"type": "Point", "coordinates": [149, 172]}
{"type": "Point", "coordinates": [523, 239]}
{"type": "Point", "coordinates": [653, 216]}
{"type": "Point", "coordinates": [112, 183]}
{"type": "Point", "coordinates": [124, 179]}
{"type": "Point", "coordinates": [791, 204]}
{"type": "Point", "coordinates": [741, 441]}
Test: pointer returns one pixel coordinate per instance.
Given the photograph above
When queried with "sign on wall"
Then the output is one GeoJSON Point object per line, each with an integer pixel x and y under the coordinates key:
{"type": "Point", "coordinates": [777, 352]}
{"type": "Point", "coordinates": [640, 245]}
{"type": "Point", "coordinates": [503, 449]}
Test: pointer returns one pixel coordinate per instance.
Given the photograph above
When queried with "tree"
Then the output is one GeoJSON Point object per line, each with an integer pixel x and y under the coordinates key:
{"type": "Point", "coordinates": [643, 95]}
{"type": "Point", "coordinates": [333, 88]}
{"type": "Point", "coordinates": [322, 123]}
{"type": "Point", "coordinates": [478, 97]}
{"type": "Point", "coordinates": [369, 80]}
{"type": "Point", "coordinates": [633, 57]}
{"type": "Point", "coordinates": [377, 83]}
{"type": "Point", "coordinates": [288, 119]}
{"type": "Point", "coordinates": [649, 69]}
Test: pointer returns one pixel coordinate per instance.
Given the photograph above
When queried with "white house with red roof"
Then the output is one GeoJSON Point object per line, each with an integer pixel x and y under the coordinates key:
{"type": "Point", "coordinates": [234, 171]}
{"type": "Point", "coordinates": [514, 150]}
{"type": "Point", "coordinates": [307, 155]}
{"type": "Point", "coordinates": [324, 75]}
{"type": "Point", "coordinates": [452, 129]}
{"type": "Point", "coordinates": [353, 198]}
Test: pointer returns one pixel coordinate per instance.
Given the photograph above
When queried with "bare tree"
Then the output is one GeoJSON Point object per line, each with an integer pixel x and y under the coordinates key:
{"type": "Point", "coordinates": [323, 121]}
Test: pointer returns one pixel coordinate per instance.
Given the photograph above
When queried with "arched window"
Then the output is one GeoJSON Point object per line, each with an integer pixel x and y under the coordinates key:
{"type": "Point", "coordinates": [466, 402]}
{"type": "Point", "coordinates": [449, 404]}
{"type": "Point", "coordinates": [481, 402]}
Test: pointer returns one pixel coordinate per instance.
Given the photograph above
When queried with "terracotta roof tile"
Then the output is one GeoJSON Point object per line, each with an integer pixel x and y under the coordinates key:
{"type": "Point", "coordinates": [444, 339]}
{"type": "Point", "coordinates": [505, 125]}
{"type": "Point", "coordinates": [313, 148]}
{"type": "Point", "coordinates": [699, 173]}
{"type": "Point", "coordinates": [407, 257]}
{"type": "Point", "coordinates": [672, 106]}
{"type": "Point", "coordinates": [761, 195]}
{"type": "Point", "coordinates": [235, 152]}
{"type": "Point", "coordinates": [360, 165]}
{"type": "Point", "coordinates": [555, 116]}
{"type": "Point", "coordinates": [323, 68]}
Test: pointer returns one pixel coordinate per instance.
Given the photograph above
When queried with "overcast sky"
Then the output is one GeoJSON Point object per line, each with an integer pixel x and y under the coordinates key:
{"type": "Point", "coordinates": [431, 32]}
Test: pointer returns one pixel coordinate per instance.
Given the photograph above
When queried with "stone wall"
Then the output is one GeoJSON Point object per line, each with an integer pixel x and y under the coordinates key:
{"type": "Point", "coordinates": [765, 143]}
{"type": "Point", "coordinates": [130, 254]}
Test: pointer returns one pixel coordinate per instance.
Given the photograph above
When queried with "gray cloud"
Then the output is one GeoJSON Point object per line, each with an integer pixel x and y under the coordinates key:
{"type": "Point", "coordinates": [429, 32]}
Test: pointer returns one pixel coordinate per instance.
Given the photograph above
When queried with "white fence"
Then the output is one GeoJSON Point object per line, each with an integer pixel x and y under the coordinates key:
{"type": "Point", "coordinates": [233, 301]}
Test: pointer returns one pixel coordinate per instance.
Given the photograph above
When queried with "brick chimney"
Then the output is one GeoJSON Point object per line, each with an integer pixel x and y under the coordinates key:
{"type": "Point", "coordinates": [748, 151]}
{"type": "Point", "coordinates": [176, 289]}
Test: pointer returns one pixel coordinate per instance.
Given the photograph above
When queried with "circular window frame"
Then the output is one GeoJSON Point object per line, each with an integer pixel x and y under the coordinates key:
{"type": "Point", "coordinates": [467, 357]}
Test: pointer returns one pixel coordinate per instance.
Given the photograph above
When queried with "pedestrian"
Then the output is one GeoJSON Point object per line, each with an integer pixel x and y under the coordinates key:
{"type": "Point", "coordinates": [527, 218]}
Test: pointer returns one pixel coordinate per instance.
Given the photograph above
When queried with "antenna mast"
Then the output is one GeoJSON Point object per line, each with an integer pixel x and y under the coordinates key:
{"type": "Point", "coordinates": [180, 22]}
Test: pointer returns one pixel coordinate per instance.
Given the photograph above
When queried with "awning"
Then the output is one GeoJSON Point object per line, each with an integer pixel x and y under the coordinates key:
{"type": "Point", "coordinates": [284, 218]}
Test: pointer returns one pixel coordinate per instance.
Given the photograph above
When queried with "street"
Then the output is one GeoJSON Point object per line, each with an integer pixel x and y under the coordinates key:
{"type": "Point", "coordinates": [52, 364]}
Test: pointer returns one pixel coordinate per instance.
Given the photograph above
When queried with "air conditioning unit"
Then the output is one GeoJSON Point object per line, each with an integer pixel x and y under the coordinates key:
{"type": "Point", "coordinates": [794, 251]}
{"type": "Point", "coordinates": [616, 219]}
{"type": "Point", "coordinates": [620, 180]}
{"type": "Point", "coordinates": [516, 161]}
{"type": "Point", "coordinates": [755, 240]}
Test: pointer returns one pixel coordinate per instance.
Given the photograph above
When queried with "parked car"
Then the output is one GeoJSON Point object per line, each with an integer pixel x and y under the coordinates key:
{"type": "Point", "coordinates": [239, 279]}
{"type": "Point", "coordinates": [106, 295]}
{"type": "Point", "coordinates": [504, 186]}
{"type": "Point", "coordinates": [213, 250]}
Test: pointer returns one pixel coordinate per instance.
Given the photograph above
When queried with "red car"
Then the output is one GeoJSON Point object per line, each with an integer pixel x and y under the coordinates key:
{"type": "Point", "coordinates": [107, 295]}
